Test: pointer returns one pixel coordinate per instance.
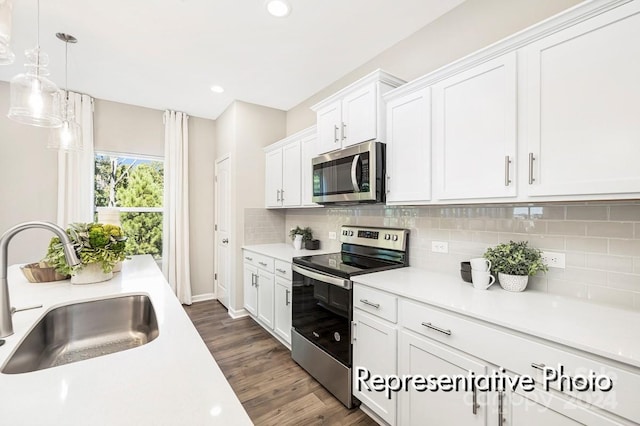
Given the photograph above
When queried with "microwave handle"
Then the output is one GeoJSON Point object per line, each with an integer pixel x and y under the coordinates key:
{"type": "Point", "coordinates": [354, 179]}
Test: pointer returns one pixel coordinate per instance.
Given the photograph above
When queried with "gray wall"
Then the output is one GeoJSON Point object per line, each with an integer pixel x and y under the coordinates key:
{"type": "Point", "coordinates": [28, 176]}
{"type": "Point", "coordinates": [472, 25]}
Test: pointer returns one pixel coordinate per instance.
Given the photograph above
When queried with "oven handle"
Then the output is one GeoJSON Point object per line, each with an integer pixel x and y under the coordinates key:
{"type": "Point", "coordinates": [329, 279]}
{"type": "Point", "coordinates": [354, 178]}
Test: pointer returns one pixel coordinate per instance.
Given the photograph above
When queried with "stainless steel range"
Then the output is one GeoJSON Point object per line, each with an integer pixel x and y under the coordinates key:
{"type": "Point", "coordinates": [322, 301]}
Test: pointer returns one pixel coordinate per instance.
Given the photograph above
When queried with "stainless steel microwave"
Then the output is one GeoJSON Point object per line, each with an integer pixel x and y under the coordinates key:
{"type": "Point", "coordinates": [351, 175]}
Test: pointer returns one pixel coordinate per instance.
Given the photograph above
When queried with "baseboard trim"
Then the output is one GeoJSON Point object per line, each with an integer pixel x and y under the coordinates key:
{"type": "Point", "coordinates": [203, 297]}
{"type": "Point", "coordinates": [237, 314]}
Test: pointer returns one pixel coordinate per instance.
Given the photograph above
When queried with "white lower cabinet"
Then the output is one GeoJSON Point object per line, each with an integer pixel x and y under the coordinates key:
{"type": "Point", "coordinates": [394, 335]}
{"type": "Point", "coordinates": [267, 293]}
{"type": "Point", "coordinates": [282, 317]}
{"type": "Point", "coordinates": [424, 357]}
{"type": "Point", "coordinates": [374, 349]}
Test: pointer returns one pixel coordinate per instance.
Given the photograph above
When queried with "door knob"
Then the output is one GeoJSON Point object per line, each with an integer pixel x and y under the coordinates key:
{"type": "Point", "coordinates": [225, 240]}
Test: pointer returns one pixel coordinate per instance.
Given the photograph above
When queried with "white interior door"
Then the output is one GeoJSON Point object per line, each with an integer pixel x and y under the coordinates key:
{"type": "Point", "coordinates": [223, 230]}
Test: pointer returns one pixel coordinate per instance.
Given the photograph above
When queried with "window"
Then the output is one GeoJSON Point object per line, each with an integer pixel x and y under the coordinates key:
{"type": "Point", "coordinates": [135, 186]}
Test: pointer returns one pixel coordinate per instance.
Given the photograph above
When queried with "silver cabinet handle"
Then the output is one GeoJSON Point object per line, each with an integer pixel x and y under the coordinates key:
{"type": "Point", "coordinates": [507, 178]}
{"type": "Point", "coordinates": [366, 302]}
{"type": "Point", "coordinates": [538, 366]}
{"type": "Point", "coordinates": [388, 179]}
{"type": "Point", "coordinates": [531, 178]}
{"type": "Point", "coordinates": [335, 134]}
{"type": "Point", "coordinates": [277, 195]}
{"type": "Point", "coordinates": [282, 195]}
{"type": "Point", "coordinates": [353, 332]}
{"type": "Point", "coordinates": [501, 418]}
{"type": "Point", "coordinates": [248, 258]}
{"type": "Point", "coordinates": [286, 297]}
{"type": "Point", "coordinates": [344, 131]}
{"type": "Point", "coordinates": [282, 271]}
{"type": "Point", "coordinates": [225, 240]}
{"type": "Point", "coordinates": [474, 408]}
{"type": "Point", "coordinates": [253, 280]}
{"type": "Point", "coordinates": [262, 264]}
{"type": "Point", "coordinates": [433, 327]}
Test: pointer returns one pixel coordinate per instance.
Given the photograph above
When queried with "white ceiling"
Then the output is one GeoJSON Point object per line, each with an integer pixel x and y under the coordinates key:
{"type": "Point", "coordinates": [165, 54]}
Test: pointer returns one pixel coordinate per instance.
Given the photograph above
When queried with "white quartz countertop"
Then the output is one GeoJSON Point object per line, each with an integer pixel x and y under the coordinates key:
{"type": "Point", "coordinates": [172, 380]}
{"type": "Point", "coordinates": [605, 331]}
{"type": "Point", "coordinates": [282, 251]}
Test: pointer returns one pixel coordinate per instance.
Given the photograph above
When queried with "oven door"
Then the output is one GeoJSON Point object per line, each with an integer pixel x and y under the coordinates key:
{"type": "Point", "coordinates": [322, 311]}
{"type": "Point", "coordinates": [354, 174]}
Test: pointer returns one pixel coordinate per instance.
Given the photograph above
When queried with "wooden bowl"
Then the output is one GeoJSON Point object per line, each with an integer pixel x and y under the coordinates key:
{"type": "Point", "coordinates": [41, 273]}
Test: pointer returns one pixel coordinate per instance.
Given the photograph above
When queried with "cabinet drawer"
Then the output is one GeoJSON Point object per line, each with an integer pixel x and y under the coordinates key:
{"type": "Point", "coordinates": [264, 262]}
{"type": "Point", "coordinates": [250, 258]}
{"type": "Point", "coordinates": [376, 302]}
{"type": "Point", "coordinates": [283, 269]}
{"type": "Point", "coordinates": [518, 354]}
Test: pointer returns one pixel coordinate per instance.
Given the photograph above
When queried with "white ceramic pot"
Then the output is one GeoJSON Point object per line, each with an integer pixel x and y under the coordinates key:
{"type": "Point", "coordinates": [513, 282]}
{"type": "Point", "coordinates": [297, 242]}
{"type": "Point", "coordinates": [91, 273]}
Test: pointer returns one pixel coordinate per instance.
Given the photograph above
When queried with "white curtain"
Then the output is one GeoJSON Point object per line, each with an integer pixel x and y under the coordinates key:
{"type": "Point", "coordinates": [76, 169]}
{"type": "Point", "coordinates": [175, 235]}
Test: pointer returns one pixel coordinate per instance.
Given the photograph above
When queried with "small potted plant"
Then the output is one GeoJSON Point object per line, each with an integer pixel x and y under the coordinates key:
{"type": "Point", "coordinates": [514, 262]}
{"type": "Point", "coordinates": [300, 235]}
{"type": "Point", "coordinates": [99, 247]}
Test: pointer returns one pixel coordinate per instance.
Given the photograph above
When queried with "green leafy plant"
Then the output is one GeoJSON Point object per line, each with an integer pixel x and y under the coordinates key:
{"type": "Point", "coordinates": [93, 243]}
{"type": "Point", "coordinates": [515, 258]}
{"type": "Point", "coordinates": [307, 234]}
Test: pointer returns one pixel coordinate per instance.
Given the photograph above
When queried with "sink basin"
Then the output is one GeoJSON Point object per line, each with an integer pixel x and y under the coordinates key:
{"type": "Point", "coordinates": [80, 331]}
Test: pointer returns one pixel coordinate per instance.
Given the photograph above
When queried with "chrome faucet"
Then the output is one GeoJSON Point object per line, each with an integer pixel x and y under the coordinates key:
{"type": "Point", "coordinates": [6, 324]}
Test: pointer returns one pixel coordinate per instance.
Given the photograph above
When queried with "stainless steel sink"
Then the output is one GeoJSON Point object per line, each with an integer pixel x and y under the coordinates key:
{"type": "Point", "coordinates": [80, 331]}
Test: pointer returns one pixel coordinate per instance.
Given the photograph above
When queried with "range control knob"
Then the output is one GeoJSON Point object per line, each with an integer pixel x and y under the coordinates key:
{"type": "Point", "coordinates": [344, 232]}
{"type": "Point", "coordinates": [351, 233]}
{"type": "Point", "coordinates": [395, 238]}
{"type": "Point", "coordinates": [387, 236]}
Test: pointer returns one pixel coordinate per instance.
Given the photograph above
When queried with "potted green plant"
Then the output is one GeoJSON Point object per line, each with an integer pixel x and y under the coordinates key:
{"type": "Point", "coordinates": [514, 262]}
{"type": "Point", "coordinates": [99, 247]}
{"type": "Point", "coordinates": [300, 235]}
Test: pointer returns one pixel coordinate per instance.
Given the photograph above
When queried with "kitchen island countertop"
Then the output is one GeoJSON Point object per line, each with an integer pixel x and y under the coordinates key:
{"type": "Point", "coordinates": [172, 380]}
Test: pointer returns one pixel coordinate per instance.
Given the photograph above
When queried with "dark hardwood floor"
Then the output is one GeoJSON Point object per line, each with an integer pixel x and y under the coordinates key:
{"type": "Point", "coordinates": [270, 385]}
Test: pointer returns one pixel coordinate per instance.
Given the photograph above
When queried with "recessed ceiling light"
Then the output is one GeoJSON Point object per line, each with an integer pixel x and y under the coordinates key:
{"type": "Point", "coordinates": [217, 89]}
{"type": "Point", "coordinates": [278, 8]}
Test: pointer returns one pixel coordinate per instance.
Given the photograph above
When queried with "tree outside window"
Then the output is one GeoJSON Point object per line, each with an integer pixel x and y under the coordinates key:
{"type": "Point", "coordinates": [135, 186]}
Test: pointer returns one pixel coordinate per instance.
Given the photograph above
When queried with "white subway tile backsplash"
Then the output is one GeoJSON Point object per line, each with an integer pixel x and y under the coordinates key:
{"type": "Point", "coordinates": [601, 241]}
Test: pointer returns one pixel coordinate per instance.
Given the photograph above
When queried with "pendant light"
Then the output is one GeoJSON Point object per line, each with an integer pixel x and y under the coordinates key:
{"type": "Point", "coordinates": [6, 55]}
{"type": "Point", "coordinates": [67, 137]}
{"type": "Point", "coordinates": [34, 98]}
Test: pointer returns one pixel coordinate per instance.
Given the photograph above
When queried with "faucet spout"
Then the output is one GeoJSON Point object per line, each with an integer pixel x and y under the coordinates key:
{"type": "Point", "coordinates": [6, 323]}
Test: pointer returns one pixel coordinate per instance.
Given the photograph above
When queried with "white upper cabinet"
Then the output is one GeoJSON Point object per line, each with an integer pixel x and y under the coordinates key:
{"type": "Point", "coordinates": [285, 177]}
{"type": "Point", "coordinates": [583, 107]}
{"type": "Point", "coordinates": [474, 130]}
{"type": "Point", "coordinates": [409, 147]}
{"type": "Point", "coordinates": [330, 127]}
{"type": "Point", "coordinates": [354, 114]}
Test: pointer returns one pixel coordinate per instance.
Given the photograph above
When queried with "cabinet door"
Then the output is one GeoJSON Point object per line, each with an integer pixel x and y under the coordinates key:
{"type": "Point", "coordinates": [273, 178]}
{"type": "Point", "coordinates": [282, 306]}
{"type": "Point", "coordinates": [329, 124]}
{"type": "Point", "coordinates": [250, 289]}
{"type": "Point", "coordinates": [409, 148]}
{"type": "Point", "coordinates": [374, 348]}
{"type": "Point", "coordinates": [265, 298]}
{"type": "Point", "coordinates": [583, 104]}
{"type": "Point", "coordinates": [421, 356]}
{"type": "Point", "coordinates": [475, 132]}
{"type": "Point", "coordinates": [359, 116]}
{"type": "Point", "coordinates": [308, 150]}
{"type": "Point", "coordinates": [291, 181]}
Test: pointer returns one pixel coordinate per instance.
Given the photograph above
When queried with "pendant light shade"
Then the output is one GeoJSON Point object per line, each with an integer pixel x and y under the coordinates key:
{"type": "Point", "coordinates": [6, 55]}
{"type": "Point", "coordinates": [34, 98]}
{"type": "Point", "coordinates": [68, 137]}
